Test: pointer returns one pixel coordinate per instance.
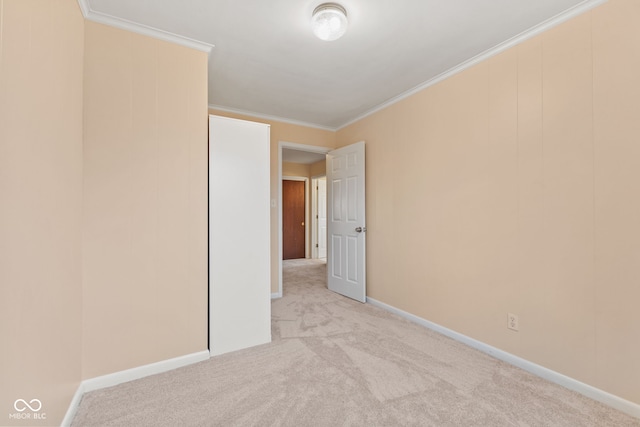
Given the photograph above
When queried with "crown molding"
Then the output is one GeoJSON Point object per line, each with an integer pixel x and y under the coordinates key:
{"type": "Point", "coordinates": [578, 9]}
{"type": "Point", "coordinates": [84, 7]}
{"type": "Point", "coordinates": [270, 118]}
{"type": "Point", "coordinates": [123, 24]}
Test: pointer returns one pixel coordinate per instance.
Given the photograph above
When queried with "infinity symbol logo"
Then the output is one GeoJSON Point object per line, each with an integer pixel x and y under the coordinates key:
{"type": "Point", "coordinates": [21, 405]}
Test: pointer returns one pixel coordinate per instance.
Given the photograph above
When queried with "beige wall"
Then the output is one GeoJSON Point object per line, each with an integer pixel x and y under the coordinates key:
{"type": "Point", "coordinates": [113, 274]}
{"type": "Point", "coordinates": [145, 201]}
{"type": "Point", "coordinates": [283, 132]}
{"type": "Point", "coordinates": [309, 171]}
{"type": "Point", "coordinates": [318, 168]}
{"type": "Point", "coordinates": [295, 169]}
{"type": "Point", "coordinates": [513, 187]}
{"type": "Point", "coordinates": [41, 56]}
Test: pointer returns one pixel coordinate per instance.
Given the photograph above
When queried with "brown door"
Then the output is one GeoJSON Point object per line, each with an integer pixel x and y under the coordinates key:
{"type": "Point", "coordinates": [292, 219]}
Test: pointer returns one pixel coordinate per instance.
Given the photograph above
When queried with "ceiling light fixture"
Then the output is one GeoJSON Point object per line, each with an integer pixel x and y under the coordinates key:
{"type": "Point", "coordinates": [329, 21]}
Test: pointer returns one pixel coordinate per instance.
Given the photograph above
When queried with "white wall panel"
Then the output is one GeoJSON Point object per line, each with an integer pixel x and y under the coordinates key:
{"type": "Point", "coordinates": [239, 237]}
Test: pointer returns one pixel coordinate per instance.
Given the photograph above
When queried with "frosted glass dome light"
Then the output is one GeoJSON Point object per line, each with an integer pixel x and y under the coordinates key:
{"type": "Point", "coordinates": [329, 21]}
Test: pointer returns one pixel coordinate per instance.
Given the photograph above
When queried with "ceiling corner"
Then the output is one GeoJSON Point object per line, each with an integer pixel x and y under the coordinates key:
{"type": "Point", "coordinates": [123, 24]}
{"type": "Point", "coordinates": [84, 7]}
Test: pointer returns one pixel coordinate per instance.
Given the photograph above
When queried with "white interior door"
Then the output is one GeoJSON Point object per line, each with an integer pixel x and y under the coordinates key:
{"type": "Point", "coordinates": [346, 226]}
{"type": "Point", "coordinates": [322, 217]}
{"type": "Point", "coordinates": [239, 235]}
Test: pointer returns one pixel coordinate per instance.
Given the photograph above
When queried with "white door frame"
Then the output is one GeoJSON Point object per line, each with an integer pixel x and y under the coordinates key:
{"type": "Point", "coordinates": [314, 214]}
{"type": "Point", "coordinates": [299, 147]}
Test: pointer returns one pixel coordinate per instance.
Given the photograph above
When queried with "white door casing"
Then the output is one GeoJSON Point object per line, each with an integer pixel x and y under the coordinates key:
{"type": "Point", "coordinates": [319, 217]}
{"type": "Point", "coordinates": [346, 226]}
{"type": "Point", "coordinates": [322, 218]}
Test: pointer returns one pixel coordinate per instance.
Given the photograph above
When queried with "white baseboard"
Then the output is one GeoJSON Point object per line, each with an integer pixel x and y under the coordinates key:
{"type": "Point", "coordinates": [602, 396]}
{"type": "Point", "coordinates": [130, 375]}
{"type": "Point", "coordinates": [276, 295]}
{"type": "Point", "coordinates": [73, 407]}
{"type": "Point", "coordinates": [143, 371]}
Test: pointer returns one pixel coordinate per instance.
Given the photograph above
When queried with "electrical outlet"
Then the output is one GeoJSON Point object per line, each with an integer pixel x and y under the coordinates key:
{"type": "Point", "coordinates": [512, 322]}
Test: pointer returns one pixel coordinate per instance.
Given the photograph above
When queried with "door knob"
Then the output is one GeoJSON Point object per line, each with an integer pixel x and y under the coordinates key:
{"type": "Point", "coordinates": [361, 229]}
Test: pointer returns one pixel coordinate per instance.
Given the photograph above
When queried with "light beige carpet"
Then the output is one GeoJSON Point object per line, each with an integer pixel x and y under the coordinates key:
{"type": "Point", "coordinates": [336, 362]}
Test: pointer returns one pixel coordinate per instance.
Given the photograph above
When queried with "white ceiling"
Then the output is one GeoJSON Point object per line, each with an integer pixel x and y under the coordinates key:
{"type": "Point", "coordinates": [267, 62]}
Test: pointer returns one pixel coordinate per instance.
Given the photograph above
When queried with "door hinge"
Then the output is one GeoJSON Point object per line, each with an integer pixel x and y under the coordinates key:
{"type": "Point", "coordinates": [317, 245]}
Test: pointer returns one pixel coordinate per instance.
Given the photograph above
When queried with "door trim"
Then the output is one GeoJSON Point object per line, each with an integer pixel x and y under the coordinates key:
{"type": "Point", "coordinates": [295, 146]}
{"type": "Point", "coordinates": [314, 214]}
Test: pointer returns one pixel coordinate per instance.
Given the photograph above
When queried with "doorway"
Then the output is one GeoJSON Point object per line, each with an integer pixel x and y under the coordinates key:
{"type": "Point", "coordinates": [298, 160]}
{"type": "Point", "coordinates": [293, 218]}
{"type": "Point", "coordinates": [345, 175]}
